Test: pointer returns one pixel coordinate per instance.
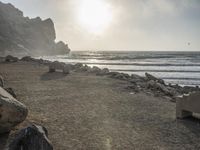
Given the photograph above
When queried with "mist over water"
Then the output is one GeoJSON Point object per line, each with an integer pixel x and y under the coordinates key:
{"type": "Point", "coordinates": [174, 67]}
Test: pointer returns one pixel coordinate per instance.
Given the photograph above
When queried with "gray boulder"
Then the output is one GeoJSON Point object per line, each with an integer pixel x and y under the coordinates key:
{"type": "Point", "coordinates": [153, 85]}
{"type": "Point", "coordinates": [59, 66]}
{"type": "Point", "coordinates": [12, 112]}
{"type": "Point", "coordinates": [151, 77]}
{"type": "Point", "coordinates": [33, 137]}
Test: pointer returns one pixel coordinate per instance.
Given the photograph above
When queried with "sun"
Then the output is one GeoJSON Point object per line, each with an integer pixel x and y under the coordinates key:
{"type": "Point", "coordinates": [94, 15]}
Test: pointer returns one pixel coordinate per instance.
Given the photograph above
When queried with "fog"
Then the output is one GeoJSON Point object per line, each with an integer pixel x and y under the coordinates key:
{"type": "Point", "coordinates": [136, 25]}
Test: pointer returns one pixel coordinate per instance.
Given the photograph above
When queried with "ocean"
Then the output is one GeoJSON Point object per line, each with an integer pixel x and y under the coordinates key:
{"type": "Point", "coordinates": [181, 68]}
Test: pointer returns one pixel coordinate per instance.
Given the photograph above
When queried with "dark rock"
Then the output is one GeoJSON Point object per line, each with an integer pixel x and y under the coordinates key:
{"type": "Point", "coordinates": [27, 58]}
{"type": "Point", "coordinates": [12, 112]}
{"type": "Point", "coordinates": [10, 58]}
{"type": "Point", "coordinates": [11, 92]}
{"type": "Point", "coordinates": [151, 77]}
{"type": "Point", "coordinates": [1, 81]}
{"type": "Point", "coordinates": [33, 137]}
{"type": "Point", "coordinates": [121, 76]}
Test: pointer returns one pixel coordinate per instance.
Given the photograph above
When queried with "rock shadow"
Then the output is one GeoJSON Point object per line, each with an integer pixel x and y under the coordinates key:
{"type": "Point", "coordinates": [193, 124]}
{"type": "Point", "coordinates": [52, 76]}
{"type": "Point", "coordinates": [3, 140]}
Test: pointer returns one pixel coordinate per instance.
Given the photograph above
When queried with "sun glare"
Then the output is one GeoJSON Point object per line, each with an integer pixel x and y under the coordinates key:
{"type": "Point", "coordinates": [95, 15]}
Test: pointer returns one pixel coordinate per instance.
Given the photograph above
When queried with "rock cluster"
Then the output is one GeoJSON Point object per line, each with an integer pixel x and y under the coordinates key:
{"type": "Point", "coordinates": [12, 113]}
{"type": "Point", "coordinates": [21, 35]}
{"type": "Point", "coordinates": [136, 83]}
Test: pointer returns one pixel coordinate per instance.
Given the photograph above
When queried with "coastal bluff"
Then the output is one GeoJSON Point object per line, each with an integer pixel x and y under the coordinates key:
{"type": "Point", "coordinates": [22, 36]}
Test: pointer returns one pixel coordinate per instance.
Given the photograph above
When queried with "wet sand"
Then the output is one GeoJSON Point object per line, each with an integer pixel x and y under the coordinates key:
{"type": "Point", "coordinates": [82, 111]}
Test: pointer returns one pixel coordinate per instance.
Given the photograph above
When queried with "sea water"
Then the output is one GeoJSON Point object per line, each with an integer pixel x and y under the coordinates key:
{"type": "Point", "coordinates": [181, 68]}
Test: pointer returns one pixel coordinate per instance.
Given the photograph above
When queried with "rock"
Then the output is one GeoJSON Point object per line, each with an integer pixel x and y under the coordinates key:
{"type": "Point", "coordinates": [59, 66]}
{"type": "Point", "coordinates": [33, 137]}
{"type": "Point", "coordinates": [78, 66]}
{"type": "Point", "coordinates": [61, 47]}
{"type": "Point", "coordinates": [22, 36]}
{"type": "Point", "coordinates": [103, 72]}
{"type": "Point", "coordinates": [10, 58]}
{"type": "Point", "coordinates": [1, 81]}
{"type": "Point", "coordinates": [27, 58]}
{"type": "Point", "coordinates": [151, 77]}
{"type": "Point", "coordinates": [11, 92]}
{"type": "Point", "coordinates": [12, 112]}
{"type": "Point", "coordinates": [160, 88]}
{"type": "Point", "coordinates": [95, 70]}
{"type": "Point", "coordinates": [121, 76]}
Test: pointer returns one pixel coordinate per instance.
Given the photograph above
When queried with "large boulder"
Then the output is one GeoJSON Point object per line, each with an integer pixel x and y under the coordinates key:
{"type": "Point", "coordinates": [33, 137]}
{"type": "Point", "coordinates": [12, 112]}
{"type": "Point", "coordinates": [59, 66]}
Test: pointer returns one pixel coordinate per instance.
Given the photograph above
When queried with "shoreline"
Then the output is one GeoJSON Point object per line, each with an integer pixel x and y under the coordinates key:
{"type": "Point", "coordinates": [89, 108]}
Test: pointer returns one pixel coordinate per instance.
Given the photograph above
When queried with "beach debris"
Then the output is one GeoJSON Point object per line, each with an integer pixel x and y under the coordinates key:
{"type": "Point", "coordinates": [151, 77]}
{"type": "Point", "coordinates": [188, 104]}
{"type": "Point", "coordinates": [10, 58]}
{"type": "Point", "coordinates": [12, 112]}
{"type": "Point", "coordinates": [59, 66]}
{"type": "Point", "coordinates": [1, 81]}
{"type": "Point", "coordinates": [33, 137]}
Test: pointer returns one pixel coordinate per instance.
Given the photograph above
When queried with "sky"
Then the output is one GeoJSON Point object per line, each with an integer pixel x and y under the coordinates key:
{"type": "Point", "coordinates": [162, 25]}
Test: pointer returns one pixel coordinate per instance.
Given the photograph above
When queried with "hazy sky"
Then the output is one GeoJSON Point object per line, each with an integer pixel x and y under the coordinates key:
{"type": "Point", "coordinates": [123, 24]}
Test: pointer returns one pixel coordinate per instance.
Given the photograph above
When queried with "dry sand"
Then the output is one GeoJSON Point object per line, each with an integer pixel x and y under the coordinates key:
{"type": "Point", "coordinates": [87, 112]}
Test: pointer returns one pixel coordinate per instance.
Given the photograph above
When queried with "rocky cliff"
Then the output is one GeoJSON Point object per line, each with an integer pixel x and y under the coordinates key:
{"type": "Point", "coordinates": [21, 35]}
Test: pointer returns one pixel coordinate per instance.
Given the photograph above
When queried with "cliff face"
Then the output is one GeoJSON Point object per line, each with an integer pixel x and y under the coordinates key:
{"type": "Point", "coordinates": [20, 35]}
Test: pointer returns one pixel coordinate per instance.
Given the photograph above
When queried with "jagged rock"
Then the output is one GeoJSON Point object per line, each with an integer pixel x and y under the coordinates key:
{"type": "Point", "coordinates": [12, 112]}
{"type": "Point", "coordinates": [1, 81]}
{"type": "Point", "coordinates": [33, 137]}
{"type": "Point", "coordinates": [10, 58]}
{"type": "Point", "coordinates": [11, 92]}
{"type": "Point", "coordinates": [151, 77]}
{"type": "Point", "coordinates": [21, 35]}
{"type": "Point", "coordinates": [160, 88]}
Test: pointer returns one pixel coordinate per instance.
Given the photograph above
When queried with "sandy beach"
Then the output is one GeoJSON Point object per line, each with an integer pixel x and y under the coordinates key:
{"type": "Point", "coordinates": [89, 112]}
